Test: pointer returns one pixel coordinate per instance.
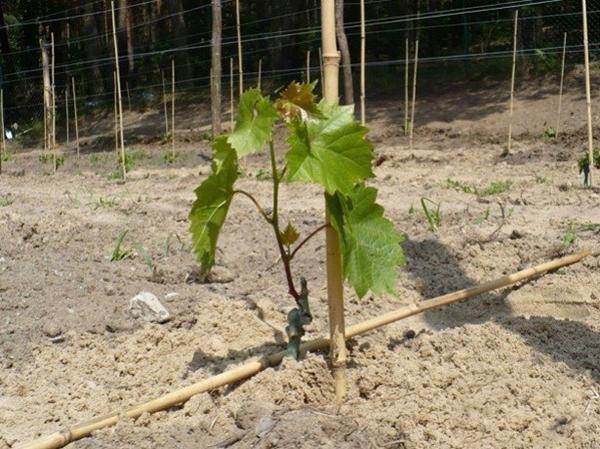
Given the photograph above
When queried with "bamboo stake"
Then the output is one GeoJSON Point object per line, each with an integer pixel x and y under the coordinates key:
{"type": "Point", "coordinates": [308, 66]}
{"type": "Point", "coordinates": [120, 98]}
{"type": "Point", "coordinates": [562, 81]}
{"type": "Point", "coordinates": [239, 45]}
{"type": "Point", "coordinates": [76, 117]}
{"type": "Point", "coordinates": [3, 148]}
{"type": "Point", "coordinates": [162, 74]}
{"type": "Point", "coordinates": [115, 100]}
{"type": "Point", "coordinates": [406, 74]}
{"type": "Point", "coordinates": [414, 96]}
{"type": "Point", "coordinates": [322, 74]}
{"type": "Point", "coordinates": [128, 95]}
{"type": "Point", "coordinates": [54, 156]}
{"type": "Point", "coordinates": [588, 92]}
{"type": "Point", "coordinates": [259, 84]}
{"type": "Point", "coordinates": [61, 439]}
{"type": "Point", "coordinates": [45, 130]}
{"type": "Point", "coordinates": [67, 115]}
{"type": "Point", "coordinates": [363, 55]}
{"type": "Point", "coordinates": [231, 110]}
{"type": "Point", "coordinates": [335, 288]}
{"type": "Point", "coordinates": [173, 108]}
{"type": "Point", "coordinates": [512, 86]}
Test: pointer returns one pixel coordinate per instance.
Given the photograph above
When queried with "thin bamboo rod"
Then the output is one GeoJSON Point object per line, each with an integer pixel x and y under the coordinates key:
{"type": "Point", "coordinates": [3, 148]}
{"type": "Point", "coordinates": [363, 56]}
{"type": "Point", "coordinates": [61, 439]}
{"type": "Point", "coordinates": [259, 83]}
{"type": "Point", "coordinates": [120, 97]}
{"type": "Point", "coordinates": [414, 96]}
{"type": "Point", "coordinates": [562, 84]}
{"type": "Point", "coordinates": [512, 85]}
{"type": "Point", "coordinates": [67, 115]}
{"type": "Point", "coordinates": [173, 108]}
{"type": "Point", "coordinates": [166, 106]}
{"type": "Point", "coordinates": [115, 100]}
{"type": "Point", "coordinates": [128, 95]}
{"type": "Point", "coordinates": [54, 156]}
{"type": "Point", "coordinates": [335, 288]}
{"type": "Point", "coordinates": [231, 101]}
{"type": "Point", "coordinates": [239, 45]}
{"type": "Point", "coordinates": [308, 66]}
{"type": "Point", "coordinates": [76, 116]}
{"type": "Point", "coordinates": [406, 75]}
{"type": "Point", "coordinates": [588, 92]}
{"type": "Point", "coordinates": [322, 72]}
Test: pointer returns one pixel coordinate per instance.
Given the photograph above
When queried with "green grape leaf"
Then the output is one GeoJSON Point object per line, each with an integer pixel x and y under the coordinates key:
{"type": "Point", "coordinates": [330, 151]}
{"type": "Point", "coordinates": [369, 242]}
{"type": "Point", "coordinates": [213, 198]}
{"type": "Point", "coordinates": [297, 101]}
{"type": "Point", "coordinates": [289, 235]}
{"type": "Point", "coordinates": [254, 126]}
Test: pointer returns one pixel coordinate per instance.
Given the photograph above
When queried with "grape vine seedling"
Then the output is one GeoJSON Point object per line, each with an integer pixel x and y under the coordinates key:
{"type": "Point", "coordinates": [326, 146]}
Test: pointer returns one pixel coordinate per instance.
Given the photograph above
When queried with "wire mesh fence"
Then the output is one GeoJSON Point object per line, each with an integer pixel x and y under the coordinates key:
{"type": "Point", "coordinates": [468, 40]}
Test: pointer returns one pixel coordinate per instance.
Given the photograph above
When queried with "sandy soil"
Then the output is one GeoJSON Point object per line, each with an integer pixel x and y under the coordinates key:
{"type": "Point", "coordinates": [515, 369]}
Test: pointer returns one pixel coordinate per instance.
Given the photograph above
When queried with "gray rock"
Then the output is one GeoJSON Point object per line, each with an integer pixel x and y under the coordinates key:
{"type": "Point", "coordinates": [264, 426]}
{"type": "Point", "coordinates": [146, 306]}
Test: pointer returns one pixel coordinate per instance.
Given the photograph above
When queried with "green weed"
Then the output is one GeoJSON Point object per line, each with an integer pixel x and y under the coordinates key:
{"type": "Point", "coordinates": [119, 253]}
{"type": "Point", "coordinates": [433, 216]}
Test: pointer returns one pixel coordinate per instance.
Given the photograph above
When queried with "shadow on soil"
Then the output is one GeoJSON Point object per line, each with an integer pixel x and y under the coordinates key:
{"type": "Point", "coordinates": [571, 342]}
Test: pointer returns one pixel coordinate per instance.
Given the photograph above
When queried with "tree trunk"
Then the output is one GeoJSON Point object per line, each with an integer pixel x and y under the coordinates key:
{"type": "Point", "coordinates": [345, 51]}
{"type": "Point", "coordinates": [92, 47]}
{"type": "Point", "coordinates": [47, 93]}
{"type": "Point", "coordinates": [215, 83]}
{"type": "Point", "coordinates": [179, 32]}
{"type": "Point", "coordinates": [126, 32]}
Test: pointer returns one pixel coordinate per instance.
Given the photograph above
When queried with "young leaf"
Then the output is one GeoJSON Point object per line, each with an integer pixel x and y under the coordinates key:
{"type": "Point", "coordinates": [213, 198]}
{"type": "Point", "coordinates": [289, 235]}
{"type": "Point", "coordinates": [330, 151]}
{"type": "Point", "coordinates": [297, 101]}
{"type": "Point", "coordinates": [254, 126]}
{"type": "Point", "coordinates": [370, 244]}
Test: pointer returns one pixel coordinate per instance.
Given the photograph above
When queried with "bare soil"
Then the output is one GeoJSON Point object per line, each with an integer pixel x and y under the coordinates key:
{"type": "Point", "coordinates": [519, 368]}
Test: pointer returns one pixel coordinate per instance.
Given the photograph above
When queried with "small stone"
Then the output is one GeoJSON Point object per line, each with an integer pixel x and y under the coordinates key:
{"type": "Point", "coordinates": [51, 330]}
{"type": "Point", "coordinates": [264, 426]}
{"type": "Point", "coordinates": [146, 306]}
{"type": "Point", "coordinates": [57, 339]}
{"type": "Point", "coordinates": [109, 290]}
{"type": "Point", "coordinates": [515, 235]}
{"type": "Point", "coordinates": [410, 334]}
{"type": "Point", "coordinates": [171, 296]}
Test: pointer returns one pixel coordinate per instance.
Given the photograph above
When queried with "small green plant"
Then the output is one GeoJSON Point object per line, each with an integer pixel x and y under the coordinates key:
{"type": "Point", "coordinates": [263, 175]}
{"type": "Point", "coordinates": [104, 202]}
{"type": "Point", "coordinates": [60, 161]}
{"type": "Point", "coordinates": [569, 239]}
{"type": "Point", "coordinates": [327, 147]}
{"type": "Point", "coordinates": [461, 186]}
{"type": "Point", "coordinates": [168, 244]}
{"type": "Point", "coordinates": [6, 201]}
{"type": "Point", "coordinates": [170, 157]}
{"type": "Point", "coordinates": [44, 158]}
{"type": "Point", "coordinates": [119, 253]}
{"type": "Point", "coordinates": [494, 188]}
{"type": "Point", "coordinates": [584, 166]}
{"type": "Point", "coordinates": [550, 133]}
{"type": "Point", "coordinates": [6, 156]}
{"type": "Point", "coordinates": [433, 216]}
